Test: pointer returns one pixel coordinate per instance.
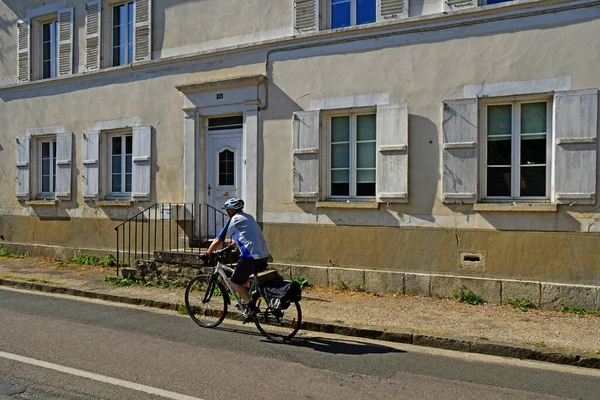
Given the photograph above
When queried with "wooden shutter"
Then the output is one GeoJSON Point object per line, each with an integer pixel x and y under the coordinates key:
{"type": "Point", "coordinates": [91, 165]}
{"type": "Point", "coordinates": [142, 166]}
{"type": "Point", "coordinates": [142, 41]}
{"type": "Point", "coordinates": [306, 15]}
{"type": "Point", "coordinates": [576, 124]}
{"type": "Point", "coordinates": [459, 154]}
{"type": "Point", "coordinates": [23, 154]}
{"type": "Point", "coordinates": [306, 140]}
{"type": "Point", "coordinates": [452, 5]}
{"type": "Point", "coordinates": [64, 154]}
{"type": "Point", "coordinates": [392, 9]}
{"type": "Point", "coordinates": [392, 154]}
{"type": "Point", "coordinates": [65, 42]}
{"type": "Point", "coordinates": [93, 24]}
{"type": "Point", "coordinates": [23, 54]}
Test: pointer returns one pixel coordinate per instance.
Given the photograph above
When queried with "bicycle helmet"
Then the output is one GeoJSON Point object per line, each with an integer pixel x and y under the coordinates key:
{"type": "Point", "coordinates": [233, 204]}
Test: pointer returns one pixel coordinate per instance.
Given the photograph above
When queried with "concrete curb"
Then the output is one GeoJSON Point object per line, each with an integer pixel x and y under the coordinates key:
{"type": "Point", "coordinates": [523, 352]}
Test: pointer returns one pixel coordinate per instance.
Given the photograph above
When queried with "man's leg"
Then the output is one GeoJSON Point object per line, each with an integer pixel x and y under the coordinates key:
{"type": "Point", "coordinates": [241, 291]}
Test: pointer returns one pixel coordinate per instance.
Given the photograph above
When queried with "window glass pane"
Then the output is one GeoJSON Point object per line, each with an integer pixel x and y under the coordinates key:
{"type": "Point", "coordinates": [498, 181]}
{"type": "Point", "coordinates": [340, 13]}
{"type": "Point", "coordinates": [116, 165]}
{"type": "Point", "coordinates": [226, 168]}
{"type": "Point", "coordinates": [533, 117]}
{"type": "Point", "coordinates": [45, 183]}
{"type": "Point", "coordinates": [499, 120]}
{"type": "Point", "coordinates": [128, 183]}
{"type": "Point", "coordinates": [340, 129]}
{"type": "Point", "coordinates": [129, 144]}
{"type": "Point", "coordinates": [499, 150]}
{"type": "Point", "coordinates": [533, 181]}
{"type": "Point", "coordinates": [365, 189]}
{"type": "Point", "coordinates": [47, 69]}
{"type": "Point", "coordinates": [130, 32]}
{"type": "Point", "coordinates": [365, 155]}
{"type": "Point", "coordinates": [116, 183]}
{"type": "Point", "coordinates": [340, 155]}
{"type": "Point", "coordinates": [119, 32]}
{"type": "Point", "coordinates": [365, 11]}
{"type": "Point", "coordinates": [46, 149]}
{"type": "Point", "coordinates": [365, 126]}
{"type": "Point", "coordinates": [128, 164]}
{"type": "Point", "coordinates": [365, 176]}
{"type": "Point", "coordinates": [53, 167]}
{"type": "Point", "coordinates": [533, 149]}
{"type": "Point", "coordinates": [340, 183]}
{"type": "Point", "coordinates": [116, 145]}
{"type": "Point", "coordinates": [222, 123]}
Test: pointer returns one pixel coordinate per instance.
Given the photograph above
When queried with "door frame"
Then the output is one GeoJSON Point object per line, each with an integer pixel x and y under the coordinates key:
{"type": "Point", "coordinates": [211, 164]}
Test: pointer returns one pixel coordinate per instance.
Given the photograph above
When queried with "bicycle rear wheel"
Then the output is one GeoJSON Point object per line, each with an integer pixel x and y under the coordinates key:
{"type": "Point", "coordinates": [278, 325]}
{"type": "Point", "coordinates": [205, 301]}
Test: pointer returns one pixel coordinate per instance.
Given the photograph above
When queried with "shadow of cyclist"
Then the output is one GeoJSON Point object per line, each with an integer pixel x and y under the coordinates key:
{"type": "Point", "coordinates": [345, 346]}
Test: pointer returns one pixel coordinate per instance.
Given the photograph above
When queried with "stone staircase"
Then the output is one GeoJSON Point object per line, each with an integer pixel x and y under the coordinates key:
{"type": "Point", "coordinates": [175, 269]}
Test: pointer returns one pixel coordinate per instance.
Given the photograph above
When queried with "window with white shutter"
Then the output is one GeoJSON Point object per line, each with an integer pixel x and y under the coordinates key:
{"type": "Point", "coordinates": [91, 165]}
{"type": "Point", "coordinates": [452, 5]}
{"type": "Point", "coordinates": [63, 165]}
{"type": "Point", "coordinates": [142, 45]}
{"type": "Point", "coordinates": [306, 15]}
{"type": "Point", "coordinates": [65, 42]}
{"type": "Point", "coordinates": [23, 154]}
{"type": "Point", "coordinates": [306, 140]}
{"type": "Point", "coordinates": [392, 153]}
{"type": "Point", "coordinates": [575, 146]}
{"type": "Point", "coordinates": [93, 24]}
{"type": "Point", "coordinates": [23, 51]}
{"type": "Point", "coordinates": [459, 152]}
{"type": "Point", "coordinates": [142, 162]}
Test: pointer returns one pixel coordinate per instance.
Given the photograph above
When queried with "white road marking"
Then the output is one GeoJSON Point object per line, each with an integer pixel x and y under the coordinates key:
{"type": "Point", "coordinates": [100, 378]}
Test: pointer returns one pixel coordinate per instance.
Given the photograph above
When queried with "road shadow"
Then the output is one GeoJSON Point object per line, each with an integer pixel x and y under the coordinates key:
{"type": "Point", "coordinates": [345, 346]}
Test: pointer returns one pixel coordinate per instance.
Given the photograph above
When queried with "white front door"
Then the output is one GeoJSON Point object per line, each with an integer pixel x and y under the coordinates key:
{"type": "Point", "coordinates": [224, 172]}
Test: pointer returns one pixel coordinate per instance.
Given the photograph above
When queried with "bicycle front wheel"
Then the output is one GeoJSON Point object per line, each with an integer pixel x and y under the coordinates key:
{"type": "Point", "coordinates": [279, 325]}
{"type": "Point", "coordinates": [205, 301]}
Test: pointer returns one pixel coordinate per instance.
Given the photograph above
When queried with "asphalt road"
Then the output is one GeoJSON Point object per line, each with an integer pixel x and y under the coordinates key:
{"type": "Point", "coordinates": [54, 347]}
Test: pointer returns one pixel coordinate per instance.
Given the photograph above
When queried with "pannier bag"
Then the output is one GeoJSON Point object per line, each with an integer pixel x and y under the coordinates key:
{"type": "Point", "coordinates": [282, 293]}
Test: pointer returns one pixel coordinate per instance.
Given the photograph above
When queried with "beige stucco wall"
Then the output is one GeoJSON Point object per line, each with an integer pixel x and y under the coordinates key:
{"type": "Point", "coordinates": [178, 27]}
{"type": "Point", "coordinates": [423, 70]}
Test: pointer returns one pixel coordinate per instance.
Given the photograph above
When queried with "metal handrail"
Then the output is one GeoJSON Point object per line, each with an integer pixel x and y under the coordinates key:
{"type": "Point", "coordinates": [185, 222]}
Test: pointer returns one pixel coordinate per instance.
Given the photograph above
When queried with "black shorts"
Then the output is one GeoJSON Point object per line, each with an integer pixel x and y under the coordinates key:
{"type": "Point", "coordinates": [246, 267]}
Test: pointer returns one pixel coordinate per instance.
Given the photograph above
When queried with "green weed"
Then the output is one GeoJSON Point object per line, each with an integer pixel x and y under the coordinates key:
{"type": "Point", "coordinates": [342, 285]}
{"type": "Point", "coordinates": [115, 280]}
{"type": "Point", "coordinates": [467, 296]}
{"type": "Point", "coordinates": [575, 310]}
{"type": "Point", "coordinates": [359, 287]}
{"type": "Point", "coordinates": [4, 253]}
{"type": "Point", "coordinates": [521, 304]}
{"type": "Point", "coordinates": [302, 281]}
{"type": "Point", "coordinates": [86, 259]}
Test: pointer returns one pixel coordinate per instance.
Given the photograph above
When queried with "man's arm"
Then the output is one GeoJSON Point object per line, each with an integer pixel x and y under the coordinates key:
{"type": "Point", "coordinates": [215, 245]}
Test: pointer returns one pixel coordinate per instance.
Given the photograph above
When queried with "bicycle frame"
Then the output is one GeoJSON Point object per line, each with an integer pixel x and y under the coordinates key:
{"type": "Point", "coordinates": [220, 269]}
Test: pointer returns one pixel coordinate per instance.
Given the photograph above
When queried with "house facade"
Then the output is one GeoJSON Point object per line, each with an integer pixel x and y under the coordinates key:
{"type": "Point", "coordinates": [434, 137]}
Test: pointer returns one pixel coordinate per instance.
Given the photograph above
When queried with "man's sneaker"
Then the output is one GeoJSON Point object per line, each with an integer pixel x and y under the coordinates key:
{"type": "Point", "coordinates": [250, 311]}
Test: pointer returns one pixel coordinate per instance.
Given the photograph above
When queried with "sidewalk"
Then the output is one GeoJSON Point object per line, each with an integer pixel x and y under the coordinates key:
{"type": "Point", "coordinates": [543, 335]}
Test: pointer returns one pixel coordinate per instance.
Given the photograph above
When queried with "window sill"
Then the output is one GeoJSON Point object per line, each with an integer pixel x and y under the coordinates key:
{"type": "Point", "coordinates": [515, 207]}
{"type": "Point", "coordinates": [372, 205]}
{"type": "Point", "coordinates": [114, 203]}
{"type": "Point", "coordinates": [37, 203]}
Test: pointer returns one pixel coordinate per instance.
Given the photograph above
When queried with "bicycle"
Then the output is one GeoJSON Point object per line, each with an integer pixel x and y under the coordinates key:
{"type": "Point", "coordinates": [207, 297]}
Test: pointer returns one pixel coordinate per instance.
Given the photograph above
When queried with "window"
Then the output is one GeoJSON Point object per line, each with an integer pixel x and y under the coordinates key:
{"type": "Point", "coordinates": [351, 12]}
{"type": "Point", "coordinates": [517, 150]}
{"type": "Point", "coordinates": [122, 34]}
{"type": "Point", "coordinates": [49, 47]}
{"type": "Point", "coordinates": [121, 164]}
{"type": "Point", "coordinates": [226, 168]}
{"type": "Point", "coordinates": [47, 166]}
{"type": "Point", "coordinates": [352, 149]}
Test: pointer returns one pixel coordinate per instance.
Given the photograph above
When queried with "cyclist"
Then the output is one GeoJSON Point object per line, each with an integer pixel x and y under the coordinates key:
{"type": "Point", "coordinates": [246, 234]}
